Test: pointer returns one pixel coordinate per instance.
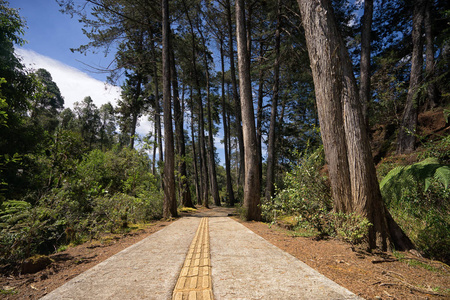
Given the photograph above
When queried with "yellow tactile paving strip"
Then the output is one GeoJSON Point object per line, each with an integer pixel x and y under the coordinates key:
{"type": "Point", "coordinates": [194, 282]}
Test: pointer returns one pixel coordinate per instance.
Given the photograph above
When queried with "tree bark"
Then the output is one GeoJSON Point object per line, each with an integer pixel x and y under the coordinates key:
{"type": "Point", "coordinates": [328, 103]}
{"type": "Point", "coordinates": [194, 154]}
{"type": "Point", "coordinates": [406, 140]}
{"type": "Point", "coordinates": [135, 111]}
{"type": "Point", "coordinates": [201, 128]}
{"type": "Point", "coordinates": [237, 104]}
{"type": "Point", "coordinates": [251, 182]}
{"type": "Point", "coordinates": [273, 114]}
{"type": "Point", "coordinates": [364, 88]}
{"type": "Point", "coordinates": [429, 54]}
{"type": "Point", "coordinates": [183, 183]}
{"type": "Point", "coordinates": [335, 88]}
{"type": "Point", "coordinates": [158, 132]}
{"type": "Point", "coordinates": [170, 201]}
{"type": "Point", "coordinates": [230, 193]}
{"type": "Point", "coordinates": [259, 109]}
{"type": "Point", "coordinates": [211, 159]}
{"type": "Point", "coordinates": [154, 149]}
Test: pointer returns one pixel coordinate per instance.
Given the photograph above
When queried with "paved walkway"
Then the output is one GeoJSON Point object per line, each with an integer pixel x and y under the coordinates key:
{"type": "Point", "coordinates": [206, 256]}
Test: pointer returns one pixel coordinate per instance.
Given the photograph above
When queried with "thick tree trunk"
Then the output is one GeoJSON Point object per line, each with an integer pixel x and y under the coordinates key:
{"type": "Point", "coordinates": [235, 96]}
{"type": "Point", "coordinates": [336, 89]}
{"type": "Point", "coordinates": [406, 140]}
{"type": "Point", "coordinates": [251, 182]}
{"type": "Point", "coordinates": [429, 54]}
{"type": "Point", "coordinates": [230, 193]}
{"type": "Point", "coordinates": [364, 88]}
{"type": "Point", "coordinates": [170, 201]}
{"type": "Point", "coordinates": [328, 102]}
{"type": "Point", "coordinates": [273, 114]}
{"type": "Point", "coordinates": [183, 183]}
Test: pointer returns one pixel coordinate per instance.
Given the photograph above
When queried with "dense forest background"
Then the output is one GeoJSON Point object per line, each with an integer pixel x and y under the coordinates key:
{"type": "Point", "coordinates": [68, 175]}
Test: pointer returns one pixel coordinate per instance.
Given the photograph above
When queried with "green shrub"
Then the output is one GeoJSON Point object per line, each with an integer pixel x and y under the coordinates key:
{"type": "Point", "coordinates": [439, 150]}
{"type": "Point", "coordinates": [351, 228]}
{"type": "Point", "coordinates": [306, 194]}
{"type": "Point", "coordinates": [418, 198]}
{"type": "Point", "coordinates": [116, 212]}
{"type": "Point", "coordinates": [105, 191]}
{"type": "Point", "coordinates": [405, 178]}
{"type": "Point", "coordinates": [26, 230]}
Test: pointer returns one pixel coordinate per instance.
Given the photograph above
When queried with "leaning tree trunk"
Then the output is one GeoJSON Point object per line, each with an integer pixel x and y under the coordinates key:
{"type": "Point", "coordinates": [406, 140]}
{"type": "Point", "coordinates": [170, 201]}
{"type": "Point", "coordinates": [273, 114]}
{"type": "Point", "coordinates": [251, 182]}
{"type": "Point", "coordinates": [364, 88]}
{"type": "Point", "coordinates": [336, 89]}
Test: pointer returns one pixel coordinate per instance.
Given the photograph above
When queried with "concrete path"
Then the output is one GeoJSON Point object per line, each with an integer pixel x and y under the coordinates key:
{"type": "Point", "coordinates": [206, 256]}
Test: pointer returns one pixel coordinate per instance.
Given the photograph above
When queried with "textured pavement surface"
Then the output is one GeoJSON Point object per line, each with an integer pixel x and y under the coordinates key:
{"type": "Point", "coordinates": [206, 256]}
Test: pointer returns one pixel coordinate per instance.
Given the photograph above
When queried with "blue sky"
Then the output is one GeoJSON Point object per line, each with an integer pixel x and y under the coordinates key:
{"type": "Point", "coordinates": [50, 34]}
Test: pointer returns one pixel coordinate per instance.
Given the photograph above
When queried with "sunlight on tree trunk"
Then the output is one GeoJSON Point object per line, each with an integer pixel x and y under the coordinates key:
{"type": "Point", "coordinates": [251, 182]}
{"type": "Point", "coordinates": [342, 123]}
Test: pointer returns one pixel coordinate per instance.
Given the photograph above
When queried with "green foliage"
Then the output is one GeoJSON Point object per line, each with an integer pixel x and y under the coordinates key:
{"type": "Point", "coordinates": [439, 150]}
{"type": "Point", "coordinates": [404, 178]}
{"type": "Point", "coordinates": [25, 230]}
{"type": "Point", "coordinates": [351, 228]}
{"type": "Point", "coordinates": [306, 194]}
{"type": "Point", "coordinates": [418, 198]}
{"type": "Point", "coordinates": [104, 191]}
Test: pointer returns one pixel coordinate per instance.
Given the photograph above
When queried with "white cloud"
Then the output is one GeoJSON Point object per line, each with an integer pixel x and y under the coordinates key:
{"type": "Point", "coordinates": [73, 83]}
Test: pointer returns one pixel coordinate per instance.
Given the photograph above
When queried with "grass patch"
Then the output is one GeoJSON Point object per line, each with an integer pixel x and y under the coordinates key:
{"type": "Point", "coordinates": [296, 231]}
{"type": "Point", "coordinates": [186, 209]}
{"type": "Point", "coordinates": [417, 263]}
{"type": "Point", "coordinates": [62, 248]}
{"type": "Point", "coordinates": [8, 291]}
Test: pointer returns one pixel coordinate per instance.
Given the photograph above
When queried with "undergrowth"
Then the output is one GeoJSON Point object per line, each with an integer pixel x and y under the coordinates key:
{"type": "Point", "coordinates": [306, 202]}
{"type": "Point", "coordinates": [107, 192]}
{"type": "Point", "coordinates": [418, 197]}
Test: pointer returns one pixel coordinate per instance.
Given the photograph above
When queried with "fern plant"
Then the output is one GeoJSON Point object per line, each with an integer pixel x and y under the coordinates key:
{"type": "Point", "coordinates": [418, 197]}
{"type": "Point", "coordinates": [410, 177]}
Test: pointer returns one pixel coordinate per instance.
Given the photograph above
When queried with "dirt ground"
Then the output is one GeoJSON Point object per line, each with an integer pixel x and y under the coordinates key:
{"type": "Point", "coordinates": [372, 276]}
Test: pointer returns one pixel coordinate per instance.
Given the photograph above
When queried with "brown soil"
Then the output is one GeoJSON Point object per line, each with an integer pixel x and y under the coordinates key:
{"type": "Point", "coordinates": [372, 276]}
{"type": "Point", "coordinates": [369, 275]}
